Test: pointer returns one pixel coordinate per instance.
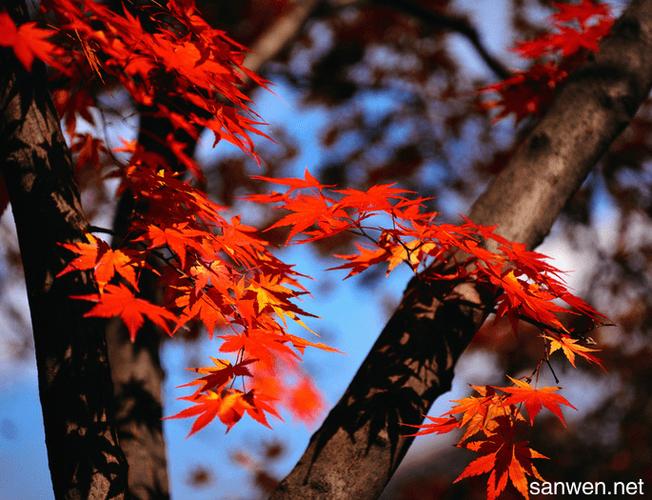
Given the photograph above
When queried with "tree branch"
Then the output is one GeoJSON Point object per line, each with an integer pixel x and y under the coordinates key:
{"type": "Point", "coordinates": [361, 443]}
{"type": "Point", "coordinates": [74, 381]}
{"type": "Point", "coordinates": [458, 24]}
{"type": "Point", "coordinates": [280, 34]}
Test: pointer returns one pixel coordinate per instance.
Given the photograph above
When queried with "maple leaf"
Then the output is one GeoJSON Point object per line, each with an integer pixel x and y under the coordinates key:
{"type": "Point", "coordinates": [375, 198]}
{"type": "Point", "coordinates": [177, 238]}
{"type": "Point", "coordinates": [536, 398]}
{"type": "Point", "coordinates": [203, 307]}
{"type": "Point", "coordinates": [218, 375]}
{"type": "Point", "coordinates": [412, 253]}
{"type": "Point", "coordinates": [28, 41]}
{"type": "Point", "coordinates": [106, 262]}
{"type": "Point", "coordinates": [570, 347]}
{"type": "Point", "coordinates": [305, 401]}
{"type": "Point", "coordinates": [88, 150]}
{"type": "Point", "coordinates": [530, 298]}
{"type": "Point", "coordinates": [308, 182]}
{"type": "Point", "coordinates": [505, 459]}
{"type": "Point", "coordinates": [527, 92]}
{"type": "Point", "coordinates": [580, 12]}
{"type": "Point", "coordinates": [228, 406]}
{"type": "Point", "coordinates": [365, 258]}
{"type": "Point", "coordinates": [478, 413]}
{"type": "Point", "coordinates": [118, 300]}
{"type": "Point", "coordinates": [264, 346]}
{"type": "Point", "coordinates": [438, 425]}
{"type": "Point", "coordinates": [307, 211]}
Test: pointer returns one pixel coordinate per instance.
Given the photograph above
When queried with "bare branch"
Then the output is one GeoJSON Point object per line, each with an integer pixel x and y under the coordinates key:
{"type": "Point", "coordinates": [279, 35]}
{"type": "Point", "coordinates": [456, 23]}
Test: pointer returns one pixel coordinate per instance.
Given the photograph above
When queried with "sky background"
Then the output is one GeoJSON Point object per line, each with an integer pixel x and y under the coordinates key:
{"type": "Point", "coordinates": [351, 318]}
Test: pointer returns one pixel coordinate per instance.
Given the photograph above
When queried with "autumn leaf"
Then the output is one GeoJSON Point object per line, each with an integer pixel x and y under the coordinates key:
{"type": "Point", "coordinates": [534, 399]}
{"type": "Point", "coordinates": [437, 425]}
{"type": "Point", "coordinates": [411, 252]}
{"type": "Point", "coordinates": [228, 406]}
{"type": "Point", "coordinates": [203, 307]}
{"type": "Point", "coordinates": [103, 260]}
{"type": "Point", "coordinates": [308, 182]}
{"type": "Point", "coordinates": [365, 258]}
{"type": "Point", "coordinates": [305, 401]}
{"type": "Point", "coordinates": [28, 41]}
{"type": "Point", "coordinates": [504, 458]}
{"type": "Point", "coordinates": [218, 375]}
{"type": "Point", "coordinates": [571, 347]}
{"type": "Point", "coordinates": [478, 413]}
{"type": "Point", "coordinates": [118, 300]}
{"type": "Point", "coordinates": [178, 238]}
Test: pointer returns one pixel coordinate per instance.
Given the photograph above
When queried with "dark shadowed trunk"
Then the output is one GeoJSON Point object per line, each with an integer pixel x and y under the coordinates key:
{"type": "Point", "coordinates": [359, 446]}
{"type": "Point", "coordinates": [74, 379]}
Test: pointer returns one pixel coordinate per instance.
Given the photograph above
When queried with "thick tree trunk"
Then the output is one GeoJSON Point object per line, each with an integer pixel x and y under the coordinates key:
{"type": "Point", "coordinates": [137, 380]}
{"type": "Point", "coordinates": [74, 379]}
{"type": "Point", "coordinates": [360, 445]}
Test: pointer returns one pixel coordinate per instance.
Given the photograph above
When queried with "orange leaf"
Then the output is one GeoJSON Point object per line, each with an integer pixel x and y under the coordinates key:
{"type": "Point", "coordinates": [439, 425]}
{"type": "Point", "coordinates": [97, 255]}
{"type": "Point", "coordinates": [305, 401]}
{"type": "Point", "coordinates": [535, 399]}
{"type": "Point", "coordinates": [118, 300]}
{"type": "Point", "coordinates": [570, 347]}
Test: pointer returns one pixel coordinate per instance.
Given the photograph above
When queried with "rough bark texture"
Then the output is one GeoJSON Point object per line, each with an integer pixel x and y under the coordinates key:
{"type": "Point", "coordinates": [136, 368]}
{"type": "Point", "coordinates": [74, 379]}
{"type": "Point", "coordinates": [359, 446]}
{"type": "Point", "coordinates": [138, 379]}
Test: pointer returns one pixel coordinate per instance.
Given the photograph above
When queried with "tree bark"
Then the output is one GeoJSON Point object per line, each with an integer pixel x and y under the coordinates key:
{"type": "Point", "coordinates": [74, 380]}
{"type": "Point", "coordinates": [360, 445]}
{"type": "Point", "coordinates": [279, 35]}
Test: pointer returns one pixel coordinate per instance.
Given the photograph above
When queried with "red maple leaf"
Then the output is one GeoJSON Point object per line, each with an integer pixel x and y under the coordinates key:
{"type": "Point", "coordinates": [118, 300]}
{"type": "Point", "coordinates": [305, 401]}
{"type": "Point", "coordinates": [505, 459]}
{"type": "Point", "coordinates": [438, 425]}
{"type": "Point", "coordinates": [218, 375]}
{"type": "Point", "coordinates": [28, 41]}
{"type": "Point", "coordinates": [102, 259]}
{"type": "Point", "coordinates": [536, 398]}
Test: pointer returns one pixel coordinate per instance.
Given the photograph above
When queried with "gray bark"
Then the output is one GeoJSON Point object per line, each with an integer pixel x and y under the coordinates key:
{"type": "Point", "coordinates": [360, 445]}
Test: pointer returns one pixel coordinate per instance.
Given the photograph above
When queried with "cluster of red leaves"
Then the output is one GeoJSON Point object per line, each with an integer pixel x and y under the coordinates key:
{"type": "Point", "coordinates": [216, 271]}
{"type": "Point", "coordinates": [527, 286]}
{"type": "Point", "coordinates": [184, 61]}
{"type": "Point", "coordinates": [223, 274]}
{"type": "Point", "coordinates": [579, 27]}
{"type": "Point", "coordinates": [494, 419]}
